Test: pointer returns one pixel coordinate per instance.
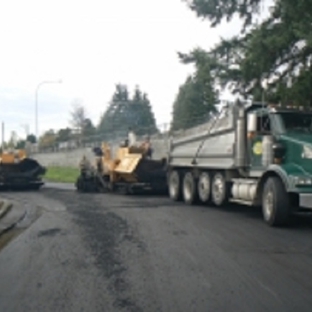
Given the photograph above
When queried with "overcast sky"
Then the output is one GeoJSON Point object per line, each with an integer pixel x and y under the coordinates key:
{"type": "Point", "coordinates": [92, 45]}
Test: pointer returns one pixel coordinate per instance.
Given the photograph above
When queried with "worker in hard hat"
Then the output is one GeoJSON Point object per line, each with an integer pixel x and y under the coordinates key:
{"type": "Point", "coordinates": [84, 164]}
{"type": "Point", "coordinates": [147, 146]}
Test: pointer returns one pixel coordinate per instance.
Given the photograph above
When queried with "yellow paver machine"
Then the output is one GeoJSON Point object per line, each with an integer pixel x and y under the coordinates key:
{"type": "Point", "coordinates": [129, 172]}
{"type": "Point", "coordinates": [17, 171]}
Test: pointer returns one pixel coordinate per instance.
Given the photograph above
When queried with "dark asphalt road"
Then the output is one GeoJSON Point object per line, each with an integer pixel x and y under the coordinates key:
{"type": "Point", "coordinates": [100, 252]}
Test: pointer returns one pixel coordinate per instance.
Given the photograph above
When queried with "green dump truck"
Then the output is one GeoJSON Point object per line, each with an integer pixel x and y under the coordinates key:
{"type": "Point", "coordinates": [256, 154]}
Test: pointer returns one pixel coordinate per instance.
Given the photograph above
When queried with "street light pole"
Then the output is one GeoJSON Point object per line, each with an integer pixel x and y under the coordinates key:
{"type": "Point", "coordinates": [36, 102]}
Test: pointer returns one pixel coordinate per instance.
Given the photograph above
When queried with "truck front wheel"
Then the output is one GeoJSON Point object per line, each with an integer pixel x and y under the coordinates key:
{"type": "Point", "coordinates": [275, 203]}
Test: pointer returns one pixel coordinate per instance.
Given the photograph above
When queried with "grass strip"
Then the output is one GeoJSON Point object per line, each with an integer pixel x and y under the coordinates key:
{"type": "Point", "coordinates": [61, 174]}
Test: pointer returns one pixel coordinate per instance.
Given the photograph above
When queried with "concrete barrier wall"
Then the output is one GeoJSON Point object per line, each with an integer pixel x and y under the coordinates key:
{"type": "Point", "coordinates": [64, 159]}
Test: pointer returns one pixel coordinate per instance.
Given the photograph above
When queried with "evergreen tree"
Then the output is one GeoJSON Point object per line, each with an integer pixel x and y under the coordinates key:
{"type": "Point", "coordinates": [197, 96]}
{"type": "Point", "coordinates": [135, 111]}
{"type": "Point", "coordinates": [114, 120]}
{"type": "Point", "coordinates": [148, 117]}
{"type": "Point", "coordinates": [124, 112]}
{"type": "Point", "coordinates": [31, 138]}
{"type": "Point", "coordinates": [88, 129]}
{"type": "Point", "coordinates": [21, 144]}
{"type": "Point", "coordinates": [218, 10]}
{"type": "Point", "coordinates": [182, 106]}
{"type": "Point", "coordinates": [143, 117]}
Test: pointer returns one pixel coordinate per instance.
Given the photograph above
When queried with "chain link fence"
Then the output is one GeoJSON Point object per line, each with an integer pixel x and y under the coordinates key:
{"type": "Point", "coordinates": [113, 137]}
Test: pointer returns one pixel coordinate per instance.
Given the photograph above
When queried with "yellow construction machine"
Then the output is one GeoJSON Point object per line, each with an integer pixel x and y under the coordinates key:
{"type": "Point", "coordinates": [17, 171]}
{"type": "Point", "coordinates": [129, 171]}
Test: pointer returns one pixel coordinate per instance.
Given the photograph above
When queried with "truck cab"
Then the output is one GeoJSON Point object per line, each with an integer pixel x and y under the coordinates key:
{"type": "Point", "coordinates": [280, 155]}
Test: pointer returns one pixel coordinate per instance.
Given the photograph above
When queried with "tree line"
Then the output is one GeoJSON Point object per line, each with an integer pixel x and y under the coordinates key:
{"type": "Point", "coordinates": [123, 112]}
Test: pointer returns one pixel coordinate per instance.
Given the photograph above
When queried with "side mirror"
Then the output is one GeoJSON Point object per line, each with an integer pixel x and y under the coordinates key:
{"type": "Point", "coordinates": [251, 122]}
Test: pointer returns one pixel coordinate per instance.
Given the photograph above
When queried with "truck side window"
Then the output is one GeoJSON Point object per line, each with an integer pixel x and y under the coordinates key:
{"type": "Point", "coordinates": [263, 124]}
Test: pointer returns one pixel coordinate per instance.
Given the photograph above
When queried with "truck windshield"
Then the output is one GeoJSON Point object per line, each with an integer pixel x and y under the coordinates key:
{"type": "Point", "coordinates": [296, 122]}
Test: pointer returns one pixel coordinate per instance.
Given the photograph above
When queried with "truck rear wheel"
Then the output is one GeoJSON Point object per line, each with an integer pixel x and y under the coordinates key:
{"type": "Point", "coordinates": [204, 187]}
{"type": "Point", "coordinates": [219, 190]}
{"type": "Point", "coordinates": [275, 202]}
{"type": "Point", "coordinates": [174, 184]}
{"type": "Point", "coordinates": [189, 189]}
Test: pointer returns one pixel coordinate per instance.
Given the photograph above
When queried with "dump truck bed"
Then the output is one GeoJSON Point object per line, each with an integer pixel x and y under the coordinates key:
{"type": "Point", "coordinates": [213, 144]}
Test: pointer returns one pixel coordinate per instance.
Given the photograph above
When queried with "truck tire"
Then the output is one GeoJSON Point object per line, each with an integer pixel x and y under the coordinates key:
{"type": "Point", "coordinates": [189, 189]}
{"type": "Point", "coordinates": [275, 203]}
{"type": "Point", "coordinates": [219, 190]}
{"type": "Point", "coordinates": [204, 187]}
{"type": "Point", "coordinates": [174, 185]}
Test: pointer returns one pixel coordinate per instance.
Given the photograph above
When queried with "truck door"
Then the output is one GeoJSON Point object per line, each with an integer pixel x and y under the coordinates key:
{"type": "Point", "coordinates": [255, 143]}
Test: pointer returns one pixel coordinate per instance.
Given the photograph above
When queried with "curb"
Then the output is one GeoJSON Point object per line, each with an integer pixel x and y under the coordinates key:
{"type": "Point", "coordinates": [9, 217]}
{"type": "Point", "coordinates": [5, 207]}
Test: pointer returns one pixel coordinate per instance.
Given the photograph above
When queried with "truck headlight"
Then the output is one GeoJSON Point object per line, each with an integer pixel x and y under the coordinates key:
{"type": "Point", "coordinates": [307, 152]}
{"type": "Point", "coordinates": [301, 180]}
